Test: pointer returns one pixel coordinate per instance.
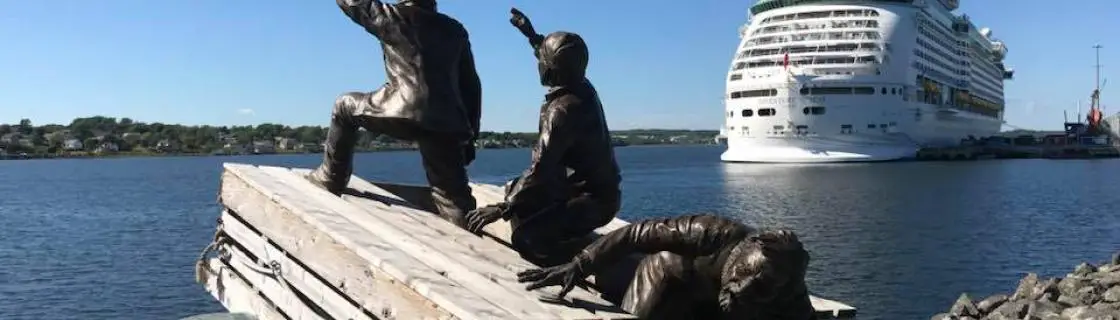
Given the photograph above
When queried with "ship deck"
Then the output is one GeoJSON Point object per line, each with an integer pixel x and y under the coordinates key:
{"type": "Point", "coordinates": [289, 250]}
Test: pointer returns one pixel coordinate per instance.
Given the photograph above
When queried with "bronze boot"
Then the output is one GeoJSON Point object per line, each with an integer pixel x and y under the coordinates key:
{"type": "Point", "coordinates": [332, 183]}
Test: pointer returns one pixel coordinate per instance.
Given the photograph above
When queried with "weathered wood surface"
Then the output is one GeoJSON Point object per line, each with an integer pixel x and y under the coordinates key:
{"type": "Point", "coordinates": [271, 287]}
{"type": "Point", "coordinates": [235, 294]}
{"type": "Point", "coordinates": [391, 260]}
{"type": "Point", "coordinates": [486, 194]}
{"type": "Point", "coordinates": [298, 279]}
{"type": "Point", "coordinates": [476, 254]}
{"type": "Point", "coordinates": [489, 271]}
{"type": "Point", "coordinates": [360, 264]}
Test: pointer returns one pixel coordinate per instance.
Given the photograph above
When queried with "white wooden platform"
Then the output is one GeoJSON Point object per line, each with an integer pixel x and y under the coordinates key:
{"type": "Point", "coordinates": [289, 250]}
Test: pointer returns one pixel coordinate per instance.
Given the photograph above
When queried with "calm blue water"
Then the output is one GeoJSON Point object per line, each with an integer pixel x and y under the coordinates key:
{"type": "Point", "coordinates": [117, 238]}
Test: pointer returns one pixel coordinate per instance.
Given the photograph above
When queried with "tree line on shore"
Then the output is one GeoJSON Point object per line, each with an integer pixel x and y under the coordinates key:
{"type": "Point", "coordinates": [99, 134]}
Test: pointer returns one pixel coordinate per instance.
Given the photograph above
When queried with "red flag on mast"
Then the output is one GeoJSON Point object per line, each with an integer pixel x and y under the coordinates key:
{"type": "Point", "coordinates": [785, 62]}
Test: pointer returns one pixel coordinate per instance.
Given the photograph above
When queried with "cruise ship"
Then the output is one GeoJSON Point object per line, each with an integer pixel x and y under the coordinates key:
{"type": "Point", "coordinates": [860, 80]}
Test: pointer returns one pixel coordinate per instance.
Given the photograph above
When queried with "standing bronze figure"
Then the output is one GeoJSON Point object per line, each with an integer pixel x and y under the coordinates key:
{"type": "Point", "coordinates": [433, 96]}
{"type": "Point", "coordinates": [698, 267]}
{"type": "Point", "coordinates": [572, 184]}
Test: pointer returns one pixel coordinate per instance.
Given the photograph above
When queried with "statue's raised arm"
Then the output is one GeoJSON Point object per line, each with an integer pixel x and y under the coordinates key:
{"type": "Point", "coordinates": [522, 23]}
{"type": "Point", "coordinates": [373, 15]}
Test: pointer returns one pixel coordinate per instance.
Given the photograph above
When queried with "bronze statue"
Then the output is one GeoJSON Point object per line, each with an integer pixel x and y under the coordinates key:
{"type": "Point", "coordinates": [698, 267]}
{"type": "Point", "coordinates": [433, 96]}
{"type": "Point", "coordinates": [572, 184]}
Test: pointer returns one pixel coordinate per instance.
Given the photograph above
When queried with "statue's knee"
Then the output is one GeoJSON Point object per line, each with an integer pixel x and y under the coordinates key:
{"type": "Point", "coordinates": [345, 104]}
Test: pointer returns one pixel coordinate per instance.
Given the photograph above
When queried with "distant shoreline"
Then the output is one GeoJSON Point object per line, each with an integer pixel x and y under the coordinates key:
{"type": "Point", "coordinates": [126, 154]}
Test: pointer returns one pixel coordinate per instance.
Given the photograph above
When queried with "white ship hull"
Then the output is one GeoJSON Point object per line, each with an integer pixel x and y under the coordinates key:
{"type": "Point", "coordinates": [899, 139]}
{"type": "Point", "coordinates": [868, 81]}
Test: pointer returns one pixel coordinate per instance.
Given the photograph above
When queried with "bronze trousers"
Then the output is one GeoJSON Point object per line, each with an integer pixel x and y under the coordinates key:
{"type": "Point", "coordinates": [443, 154]}
{"type": "Point", "coordinates": [554, 235]}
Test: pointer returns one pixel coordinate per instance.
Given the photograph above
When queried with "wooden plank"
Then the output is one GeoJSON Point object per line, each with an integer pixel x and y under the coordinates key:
{"type": "Point", "coordinates": [361, 265]}
{"type": "Point", "coordinates": [442, 245]}
{"type": "Point", "coordinates": [235, 294]}
{"type": "Point", "coordinates": [284, 299]}
{"type": "Point", "coordinates": [498, 262]}
{"type": "Point", "coordinates": [320, 293]}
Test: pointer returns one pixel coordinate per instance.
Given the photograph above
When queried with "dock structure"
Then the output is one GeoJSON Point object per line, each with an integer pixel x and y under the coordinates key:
{"type": "Point", "coordinates": [287, 249]}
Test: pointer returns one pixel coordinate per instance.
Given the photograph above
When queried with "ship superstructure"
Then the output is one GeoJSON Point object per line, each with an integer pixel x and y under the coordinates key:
{"type": "Point", "coordinates": [844, 80]}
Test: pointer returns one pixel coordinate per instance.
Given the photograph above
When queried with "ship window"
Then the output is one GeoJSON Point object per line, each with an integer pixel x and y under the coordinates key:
{"type": "Point", "coordinates": [766, 112]}
{"type": "Point", "coordinates": [748, 113]}
{"type": "Point", "coordinates": [864, 90]}
{"type": "Point", "coordinates": [831, 90]}
{"type": "Point", "coordinates": [816, 110]}
{"type": "Point", "coordinates": [736, 77]}
{"type": "Point", "coordinates": [893, 91]}
{"type": "Point", "coordinates": [731, 114]}
{"type": "Point", "coordinates": [779, 128]}
{"type": "Point", "coordinates": [884, 91]}
{"type": "Point", "coordinates": [754, 93]}
{"type": "Point", "coordinates": [805, 110]}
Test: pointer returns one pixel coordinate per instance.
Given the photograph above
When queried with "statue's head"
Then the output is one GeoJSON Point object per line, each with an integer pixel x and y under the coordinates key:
{"type": "Point", "coordinates": [764, 269]}
{"type": "Point", "coordinates": [562, 59]}
{"type": "Point", "coordinates": [427, 4]}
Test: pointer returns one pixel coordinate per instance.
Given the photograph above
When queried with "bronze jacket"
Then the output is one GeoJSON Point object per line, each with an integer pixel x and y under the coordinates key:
{"type": "Point", "coordinates": [574, 150]}
{"type": "Point", "coordinates": [429, 66]}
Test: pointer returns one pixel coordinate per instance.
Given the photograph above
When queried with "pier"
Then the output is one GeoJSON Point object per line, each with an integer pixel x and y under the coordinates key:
{"type": "Point", "coordinates": [289, 250]}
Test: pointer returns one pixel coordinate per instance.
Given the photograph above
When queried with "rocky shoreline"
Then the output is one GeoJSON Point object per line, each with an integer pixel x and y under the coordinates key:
{"type": "Point", "coordinates": [1089, 293]}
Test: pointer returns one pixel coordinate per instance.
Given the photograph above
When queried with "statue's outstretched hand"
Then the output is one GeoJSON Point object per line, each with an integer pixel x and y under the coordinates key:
{"type": "Point", "coordinates": [521, 22]}
{"type": "Point", "coordinates": [478, 218]}
{"type": "Point", "coordinates": [565, 275]}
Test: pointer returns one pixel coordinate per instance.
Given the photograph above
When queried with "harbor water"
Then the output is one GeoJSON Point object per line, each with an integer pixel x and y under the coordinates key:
{"type": "Point", "coordinates": [117, 238]}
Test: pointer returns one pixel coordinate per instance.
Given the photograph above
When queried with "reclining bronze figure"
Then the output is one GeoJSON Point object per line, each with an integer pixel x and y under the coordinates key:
{"type": "Point", "coordinates": [698, 267]}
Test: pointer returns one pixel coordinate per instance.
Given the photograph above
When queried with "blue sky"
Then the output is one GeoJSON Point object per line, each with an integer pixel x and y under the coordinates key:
{"type": "Point", "coordinates": [656, 63]}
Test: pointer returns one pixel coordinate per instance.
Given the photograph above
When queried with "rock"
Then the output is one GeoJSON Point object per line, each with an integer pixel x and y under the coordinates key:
{"type": "Point", "coordinates": [1088, 293]}
{"type": "Point", "coordinates": [1070, 285]}
{"type": "Point", "coordinates": [1026, 287]}
{"type": "Point", "coordinates": [1082, 313]}
{"type": "Point", "coordinates": [1049, 286]}
{"type": "Point", "coordinates": [1108, 280]}
{"type": "Point", "coordinates": [1107, 308]}
{"type": "Point", "coordinates": [1112, 295]}
{"type": "Point", "coordinates": [1015, 309]}
{"type": "Point", "coordinates": [991, 303]}
{"type": "Point", "coordinates": [1108, 268]}
{"type": "Point", "coordinates": [1084, 269]}
{"type": "Point", "coordinates": [1070, 301]}
{"type": "Point", "coordinates": [1044, 309]}
{"type": "Point", "coordinates": [964, 307]}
